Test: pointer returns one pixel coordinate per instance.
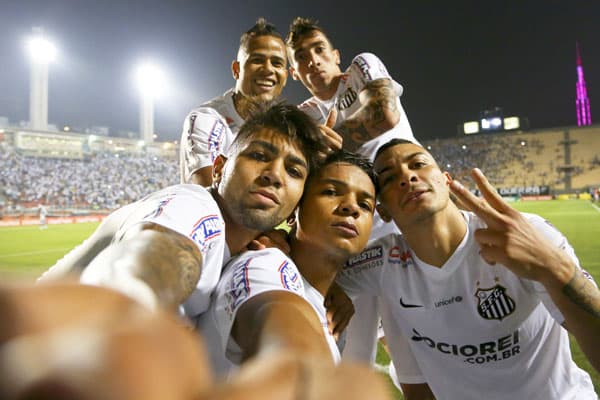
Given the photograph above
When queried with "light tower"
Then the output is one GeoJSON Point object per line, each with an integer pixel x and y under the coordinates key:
{"type": "Point", "coordinates": [584, 117]}
{"type": "Point", "coordinates": [151, 82]}
{"type": "Point", "coordinates": [41, 52]}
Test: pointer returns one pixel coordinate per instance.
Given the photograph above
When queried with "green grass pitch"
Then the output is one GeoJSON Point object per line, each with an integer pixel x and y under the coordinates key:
{"type": "Point", "coordinates": [27, 251]}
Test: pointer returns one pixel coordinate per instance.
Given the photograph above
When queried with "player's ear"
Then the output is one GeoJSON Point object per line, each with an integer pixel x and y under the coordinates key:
{"type": "Point", "coordinates": [217, 170]}
{"type": "Point", "coordinates": [385, 216]}
{"type": "Point", "coordinates": [235, 69]}
{"type": "Point", "coordinates": [448, 177]}
{"type": "Point", "coordinates": [291, 220]}
{"type": "Point", "coordinates": [336, 54]}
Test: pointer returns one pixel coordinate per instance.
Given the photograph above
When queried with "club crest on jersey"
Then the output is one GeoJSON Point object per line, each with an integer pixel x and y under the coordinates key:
{"type": "Point", "coordinates": [206, 229]}
{"type": "Point", "coordinates": [397, 256]}
{"type": "Point", "coordinates": [215, 138]}
{"type": "Point", "coordinates": [494, 303]}
{"type": "Point", "coordinates": [290, 279]}
{"type": "Point", "coordinates": [160, 207]}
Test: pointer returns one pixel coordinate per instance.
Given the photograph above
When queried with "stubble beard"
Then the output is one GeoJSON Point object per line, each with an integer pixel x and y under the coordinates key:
{"type": "Point", "coordinates": [257, 219]}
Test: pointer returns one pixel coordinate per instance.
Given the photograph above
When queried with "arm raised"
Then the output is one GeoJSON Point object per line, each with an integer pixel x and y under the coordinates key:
{"type": "Point", "coordinates": [511, 240]}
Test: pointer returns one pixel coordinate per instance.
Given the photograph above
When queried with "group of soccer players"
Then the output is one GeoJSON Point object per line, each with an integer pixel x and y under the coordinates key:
{"type": "Point", "coordinates": [472, 302]}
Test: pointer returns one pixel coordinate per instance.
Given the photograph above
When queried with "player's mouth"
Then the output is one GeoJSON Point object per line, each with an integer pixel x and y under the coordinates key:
{"type": "Point", "coordinates": [265, 85]}
{"type": "Point", "coordinates": [265, 196]}
{"type": "Point", "coordinates": [347, 229]}
{"type": "Point", "coordinates": [414, 195]}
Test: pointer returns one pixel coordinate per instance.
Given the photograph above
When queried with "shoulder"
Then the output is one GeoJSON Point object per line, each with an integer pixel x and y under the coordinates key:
{"type": "Point", "coordinates": [366, 58]}
{"type": "Point", "coordinates": [367, 67]}
{"type": "Point", "coordinates": [366, 61]}
{"type": "Point", "coordinates": [546, 228]}
{"type": "Point", "coordinates": [260, 271]}
{"type": "Point", "coordinates": [260, 258]}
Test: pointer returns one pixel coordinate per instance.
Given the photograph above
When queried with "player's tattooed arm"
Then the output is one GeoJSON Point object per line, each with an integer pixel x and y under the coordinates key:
{"type": "Point", "coordinates": [582, 292]}
{"type": "Point", "coordinates": [153, 264]}
{"type": "Point", "coordinates": [579, 302]}
{"type": "Point", "coordinates": [173, 265]}
{"type": "Point", "coordinates": [378, 114]}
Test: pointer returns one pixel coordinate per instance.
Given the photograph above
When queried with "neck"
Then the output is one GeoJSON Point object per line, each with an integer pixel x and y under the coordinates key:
{"type": "Point", "coordinates": [329, 91]}
{"type": "Point", "coordinates": [237, 236]}
{"type": "Point", "coordinates": [320, 274]}
{"type": "Point", "coordinates": [435, 238]}
{"type": "Point", "coordinates": [242, 104]}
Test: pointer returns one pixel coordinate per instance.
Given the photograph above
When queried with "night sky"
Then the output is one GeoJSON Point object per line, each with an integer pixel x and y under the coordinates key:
{"type": "Point", "coordinates": [454, 58]}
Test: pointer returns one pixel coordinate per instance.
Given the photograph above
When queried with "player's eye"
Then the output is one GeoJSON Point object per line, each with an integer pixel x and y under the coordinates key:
{"type": "Point", "coordinates": [295, 172]}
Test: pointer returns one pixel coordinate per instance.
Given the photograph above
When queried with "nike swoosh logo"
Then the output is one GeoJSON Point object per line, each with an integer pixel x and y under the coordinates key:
{"type": "Point", "coordinates": [405, 305]}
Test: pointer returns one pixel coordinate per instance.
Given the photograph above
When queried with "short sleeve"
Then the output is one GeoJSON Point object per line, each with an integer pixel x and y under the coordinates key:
{"type": "Point", "coordinates": [249, 275]}
{"type": "Point", "coordinates": [204, 136]}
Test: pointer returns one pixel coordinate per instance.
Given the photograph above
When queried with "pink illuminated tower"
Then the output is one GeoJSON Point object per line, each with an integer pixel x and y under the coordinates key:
{"type": "Point", "coordinates": [583, 103]}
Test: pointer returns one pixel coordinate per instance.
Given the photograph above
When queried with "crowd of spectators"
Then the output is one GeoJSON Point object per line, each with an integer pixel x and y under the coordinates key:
{"type": "Point", "coordinates": [102, 181]}
{"type": "Point", "coordinates": [105, 181]}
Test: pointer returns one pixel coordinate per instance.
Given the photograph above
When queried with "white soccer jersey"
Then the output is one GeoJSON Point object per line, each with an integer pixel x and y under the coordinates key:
{"type": "Point", "coordinates": [207, 132]}
{"type": "Point", "coordinates": [476, 331]}
{"type": "Point", "coordinates": [191, 211]}
{"type": "Point", "coordinates": [365, 67]}
{"type": "Point", "coordinates": [255, 272]}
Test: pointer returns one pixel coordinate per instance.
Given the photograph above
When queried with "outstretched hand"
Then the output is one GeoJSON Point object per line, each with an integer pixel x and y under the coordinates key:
{"type": "Point", "coordinates": [510, 239]}
{"type": "Point", "coordinates": [334, 140]}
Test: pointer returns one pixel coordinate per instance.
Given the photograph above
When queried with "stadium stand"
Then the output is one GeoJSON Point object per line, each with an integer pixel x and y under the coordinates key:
{"type": "Point", "coordinates": [37, 171]}
{"type": "Point", "coordinates": [69, 172]}
{"type": "Point", "coordinates": [560, 159]}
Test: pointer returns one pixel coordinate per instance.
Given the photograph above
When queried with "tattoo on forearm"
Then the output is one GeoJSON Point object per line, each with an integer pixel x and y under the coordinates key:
{"type": "Point", "coordinates": [382, 99]}
{"type": "Point", "coordinates": [371, 120]}
{"type": "Point", "coordinates": [173, 266]}
{"type": "Point", "coordinates": [581, 291]}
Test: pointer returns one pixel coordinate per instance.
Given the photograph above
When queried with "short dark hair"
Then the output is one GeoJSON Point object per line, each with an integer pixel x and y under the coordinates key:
{"type": "Point", "coordinates": [292, 123]}
{"type": "Point", "coordinates": [347, 157]}
{"type": "Point", "coordinates": [301, 27]}
{"type": "Point", "coordinates": [260, 28]}
{"type": "Point", "coordinates": [392, 143]}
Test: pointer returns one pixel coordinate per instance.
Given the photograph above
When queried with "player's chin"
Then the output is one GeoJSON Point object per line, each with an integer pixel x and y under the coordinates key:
{"type": "Point", "coordinates": [262, 219]}
{"type": "Point", "coordinates": [269, 95]}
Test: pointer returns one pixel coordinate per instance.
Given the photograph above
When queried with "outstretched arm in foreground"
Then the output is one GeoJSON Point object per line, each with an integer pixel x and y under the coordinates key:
{"type": "Point", "coordinates": [74, 262]}
{"type": "Point", "coordinates": [153, 264]}
{"type": "Point", "coordinates": [280, 321]}
{"type": "Point", "coordinates": [512, 241]}
{"type": "Point", "coordinates": [71, 341]}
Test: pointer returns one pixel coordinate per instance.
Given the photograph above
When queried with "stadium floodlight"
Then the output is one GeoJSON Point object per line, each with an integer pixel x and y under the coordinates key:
{"type": "Point", "coordinates": [151, 82]}
{"type": "Point", "coordinates": [485, 124]}
{"type": "Point", "coordinates": [42, 52]}
{"type": "Point", "coordinates": [150, 79]}
{"type": "Point", "coordinates": [496, 122]}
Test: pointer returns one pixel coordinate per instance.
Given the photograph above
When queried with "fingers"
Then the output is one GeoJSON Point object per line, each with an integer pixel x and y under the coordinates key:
{"type": "Point", "coordinates": [332, 117]}
{"type": "Point", "coordinates": [490, 194]}
{"type": "Point", "coordinates": [334, 140]}
{"type": "Point", "coordinates": [475, 204]}
{"type": "Point", "coordinates": [274, 238]}
{"type": "Point", "coordinates": [340, 321]}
